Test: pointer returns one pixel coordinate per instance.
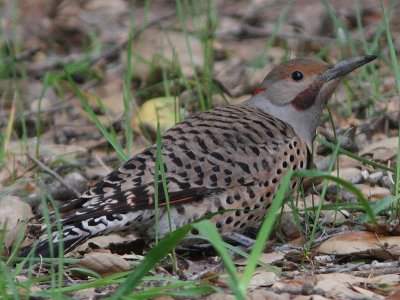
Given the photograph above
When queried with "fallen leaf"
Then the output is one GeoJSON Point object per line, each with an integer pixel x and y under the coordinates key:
{"type": "Point", "coordinates": [103, 263]}
{"type": "Point", "coordinates": [373, 193]}
{"type": "Point", "coordinates": [382, 150]}
{"type": "Point", "coordinates": [263, 278]}
{"type": "Point", "coordinates": [361, 243]}
{"type": "Point", "coordinates": [13, 212]}
{"type": "Point", "coordinates": [267, 258]}
{"type": "Point", "coordinates": [394, 295]}
{"type": "Point", "coordinates": [387, 279]}
{"type": "Point", "coordinates": [338, 285]}
{"type": "Point", "coordinates": [102, 242]}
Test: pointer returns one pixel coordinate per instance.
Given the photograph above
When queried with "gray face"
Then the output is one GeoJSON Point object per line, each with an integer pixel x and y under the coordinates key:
{"type": "Point", "coordinates": [295, 94]}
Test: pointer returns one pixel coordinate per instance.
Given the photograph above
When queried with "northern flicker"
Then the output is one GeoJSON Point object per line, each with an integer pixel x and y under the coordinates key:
{"type": "Point", "coordinates": [228, 158]}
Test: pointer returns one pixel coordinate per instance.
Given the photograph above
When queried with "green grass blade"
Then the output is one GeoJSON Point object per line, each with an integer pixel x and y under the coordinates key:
{"type": "Point", "coordinates": [396, 70]}
{"type": "Point", "coordinates": [347, 185]}
{"type": "Point", "coordinates": [208, 230]}
{"type": "Point", "coordinates": [381, 205]}
{"type": "Point", "coordinates": [354, 156]}
{"type": "Point", "coordinates": [265, 230]}
{"type": "Point", "coordinates": [113, 141]}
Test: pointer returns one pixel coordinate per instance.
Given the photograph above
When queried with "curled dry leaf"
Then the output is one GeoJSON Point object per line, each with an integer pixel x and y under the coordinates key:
{"type": "Point", "coordinates": [104, 263]}
{"type": "Point", "coordinates": [101, 242]}
{"type": "Point", "coordinates": [267, 258]}
{"type": "Point", "coordinates": [362, 243]}
{"type": "Point", "coordinates": [382, 150]}
{"type": "Point", "coordinates": [373, 193]}
{"type": "Point", "coordinates": [13, 212]}
{"type": "Point", "coordinates": [341, 286]}
{"type": "Point", "coordinates": [262, 277]}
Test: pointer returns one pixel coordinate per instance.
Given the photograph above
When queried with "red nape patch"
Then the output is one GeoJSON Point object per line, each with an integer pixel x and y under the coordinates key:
{"type": "Point", "coordinates": [259, 90]}
{"type": "Point", "coordinates": [306, 98]}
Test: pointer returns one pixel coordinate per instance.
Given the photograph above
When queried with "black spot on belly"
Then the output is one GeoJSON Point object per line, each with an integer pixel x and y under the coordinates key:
{"type": "Point", "coordinates": [214, 178]}
{"type": "Point", "coordinates": [264, 163]}
{"type": "Point", "coordinates": [190, 154]}
{"type": "Point", "coordinates": [244, 167]}
{"type": "Point", "coordinates": [228, 180]}
{"type": "Point", "coordinates": [216, 168]}
{"type": "Point", "coordinates": [182, 174]}
{"type": "Point", "coordinates": [199, 182]}
{"type": "Point", "coordinates": [177, 161]}
{"type": "Point", "coordinates": [250, 192]}
{"type": "Point", "coordinates": [217, 155]}
{"type": "Point", "coordinates": [180, 209]}
{"type": "Point", "coordinates": [255, 150]}
{"type": "Point", "coordinates": [227, 172]}
{"type": "Point", "coordinates": [183, 185]}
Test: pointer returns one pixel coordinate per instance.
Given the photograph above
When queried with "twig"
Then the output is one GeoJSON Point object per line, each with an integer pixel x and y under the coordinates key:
{"type": "Point", "coordinates": [53, 173]}
{"type": "Point", "coordinates": [362, 269]}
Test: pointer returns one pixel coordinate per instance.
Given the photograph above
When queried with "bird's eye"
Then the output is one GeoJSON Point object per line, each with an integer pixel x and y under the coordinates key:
{"type": "Point", "coordinates": [297, 75]}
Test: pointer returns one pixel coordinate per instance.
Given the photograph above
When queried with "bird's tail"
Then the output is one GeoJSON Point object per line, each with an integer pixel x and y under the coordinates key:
{"type": "Point", "coordinates": [70, 237]}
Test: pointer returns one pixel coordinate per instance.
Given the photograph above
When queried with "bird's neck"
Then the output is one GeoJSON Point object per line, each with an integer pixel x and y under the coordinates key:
{"type": "Point", "coordinates": [304, 123]}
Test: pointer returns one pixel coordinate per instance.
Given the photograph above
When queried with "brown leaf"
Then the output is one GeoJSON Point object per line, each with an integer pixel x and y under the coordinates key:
{"type": "Point", "coordinates": [104, 263]}
{"type": "Point", "coordinates": [382, 150]}
{"type": "Point", "coordinates": [267, 258]}
{"type": "Point", "coordinates": [338, 285]}
{"type": "Point", "coordinates": [373, 193]}
{"type": "Point", "coordinates": [13, 212]}
{"type": "Point", "coordinates": [262, 278]}
{"type": "Point", "coordinates": [362, 243]}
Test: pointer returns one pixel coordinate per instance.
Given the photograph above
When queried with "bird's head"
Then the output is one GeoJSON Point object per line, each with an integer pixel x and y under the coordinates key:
{"type": "Point", "coordinates": [296, 91]}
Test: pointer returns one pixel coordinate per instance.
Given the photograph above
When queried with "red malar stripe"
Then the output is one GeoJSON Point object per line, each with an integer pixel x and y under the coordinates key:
{"type": "Point", "coordinates": [259, 90]}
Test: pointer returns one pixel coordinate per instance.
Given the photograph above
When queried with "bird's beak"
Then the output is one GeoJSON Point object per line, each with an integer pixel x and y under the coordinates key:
{"type": "Point", "coordinates": [346, 66]}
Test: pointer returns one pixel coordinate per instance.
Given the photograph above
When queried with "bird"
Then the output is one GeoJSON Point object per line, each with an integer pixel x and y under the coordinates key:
{"type": "Point", "coordinates": [229, 160]}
